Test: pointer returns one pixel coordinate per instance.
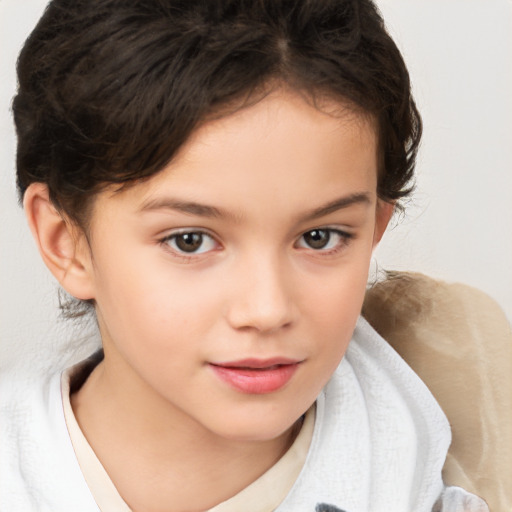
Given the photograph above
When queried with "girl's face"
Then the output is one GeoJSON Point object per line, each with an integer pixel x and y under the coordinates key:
{"type": "Point", "coordinates": [227, 287]}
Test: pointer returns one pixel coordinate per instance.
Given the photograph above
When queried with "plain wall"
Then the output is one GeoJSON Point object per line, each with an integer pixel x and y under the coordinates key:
{"type": "Point", "coordinates": [457, 226]}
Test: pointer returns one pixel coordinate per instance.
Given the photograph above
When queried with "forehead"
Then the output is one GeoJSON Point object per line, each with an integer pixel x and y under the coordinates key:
{"type": "Point", "coordinates": [282, 112]}
{"type": "Point", "coordinates": [282, 150]}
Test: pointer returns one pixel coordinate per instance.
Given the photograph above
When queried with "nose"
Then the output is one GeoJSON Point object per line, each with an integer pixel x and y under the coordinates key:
{"type": "Point", "coordinates": [264, 297]}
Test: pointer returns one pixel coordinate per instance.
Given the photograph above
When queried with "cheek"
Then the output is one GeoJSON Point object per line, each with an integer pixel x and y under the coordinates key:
{"type": "Point", "coordinates": [152, 305]}
{"type": "Point", "coordinates": [340, 294]}
{"type": "Point", "coordinates": [335, 306]}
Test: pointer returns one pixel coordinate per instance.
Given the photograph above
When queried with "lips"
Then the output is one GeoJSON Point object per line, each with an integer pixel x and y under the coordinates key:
{"type": "Point", "coordinates": [256, 376]}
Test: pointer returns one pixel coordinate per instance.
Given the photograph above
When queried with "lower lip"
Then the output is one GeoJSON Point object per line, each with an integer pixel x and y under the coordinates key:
{"type": "Point", "coordinates": [256, 381]}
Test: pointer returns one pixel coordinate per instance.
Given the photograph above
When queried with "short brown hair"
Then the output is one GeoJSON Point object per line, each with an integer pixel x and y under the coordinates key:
{"type": "Point", "coordinates": [109, 90]}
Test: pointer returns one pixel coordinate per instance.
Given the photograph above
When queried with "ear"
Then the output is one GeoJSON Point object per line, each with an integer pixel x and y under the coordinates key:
{"type": "Point", "coordinates": [383, 213]}
{"type": "Point", "coordinates": [62, 244]}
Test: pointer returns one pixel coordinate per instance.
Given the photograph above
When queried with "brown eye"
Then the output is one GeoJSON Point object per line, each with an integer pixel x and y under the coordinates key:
{"type": "Point", "coordinates": [190, 242]}
{"type": "Point", "coordinates": [324, 240]}
{"type": "Point", "coordinates": [317, 238]}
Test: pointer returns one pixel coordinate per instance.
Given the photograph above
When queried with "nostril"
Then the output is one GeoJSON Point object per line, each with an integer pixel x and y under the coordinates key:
{"type": "Point", "coordinates": [262, 298]}
{"type": "Point", "coordinates": [247, 316]}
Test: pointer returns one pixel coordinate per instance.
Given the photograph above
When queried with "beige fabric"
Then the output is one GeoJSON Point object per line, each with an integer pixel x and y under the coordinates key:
{"type": "Point", "coordinates": [460, 343]}
{"type": "Point", "coordinates": [266, 493]}
{"type": "Point", "coordinates": [102, 489]}
{"type": "Point", "coordinates": [263, 495]}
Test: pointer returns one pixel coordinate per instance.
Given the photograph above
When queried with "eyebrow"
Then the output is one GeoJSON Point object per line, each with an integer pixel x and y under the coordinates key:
{"type": "Point", "coordinates": [204, 210]}
{"type": "Point", "coordinates": [188, 207]}
{"type": "Point", "coordinates": [338, 204]}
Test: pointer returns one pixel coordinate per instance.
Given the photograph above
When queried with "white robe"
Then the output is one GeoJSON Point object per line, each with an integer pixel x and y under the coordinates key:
{"type": "Point", "coordinates": [379, 443]}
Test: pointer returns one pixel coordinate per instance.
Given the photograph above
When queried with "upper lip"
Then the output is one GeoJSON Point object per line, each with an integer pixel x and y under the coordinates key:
{"type": "Point", "coordinates": [257, 363]}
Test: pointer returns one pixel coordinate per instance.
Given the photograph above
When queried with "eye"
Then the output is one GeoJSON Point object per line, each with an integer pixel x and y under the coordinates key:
{"type": "Point", "coordinates": [190, 242]}
{"type": "Point", "coordinates": [323, 239]}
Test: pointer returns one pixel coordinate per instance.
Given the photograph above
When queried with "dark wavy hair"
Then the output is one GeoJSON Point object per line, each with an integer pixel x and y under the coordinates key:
{"type": "Point", "coordinates": [109, 90]}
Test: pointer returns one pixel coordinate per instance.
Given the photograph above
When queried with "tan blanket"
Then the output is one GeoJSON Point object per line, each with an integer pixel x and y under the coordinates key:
{"type": "Point", "coordinates": [460, 343]}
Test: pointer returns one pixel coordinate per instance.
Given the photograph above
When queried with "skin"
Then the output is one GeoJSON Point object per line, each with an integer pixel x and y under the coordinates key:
{"type": "Point", "coordinates": [159, 418]}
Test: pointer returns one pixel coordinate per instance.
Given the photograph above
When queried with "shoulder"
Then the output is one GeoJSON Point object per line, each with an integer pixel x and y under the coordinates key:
{"type": "Point", "coordinates": [455, 499]}
{"type": "Point", "coordinates": [408, 300]}
{"type": "Point", "coordinates": [459, 341]}
{"type": "Point", "coordinates": [38, 469]}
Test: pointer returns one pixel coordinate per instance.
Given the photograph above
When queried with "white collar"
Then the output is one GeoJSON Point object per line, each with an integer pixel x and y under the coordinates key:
{"type": "Point", "coordinates": [380, 438]}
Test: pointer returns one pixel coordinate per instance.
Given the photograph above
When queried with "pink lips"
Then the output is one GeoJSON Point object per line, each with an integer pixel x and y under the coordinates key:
{"type": "Point", "coordinates": [256, 376]}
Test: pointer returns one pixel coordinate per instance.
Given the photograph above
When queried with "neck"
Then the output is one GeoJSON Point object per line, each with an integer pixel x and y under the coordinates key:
{"type": "Point", "coordinates": [157, 455]}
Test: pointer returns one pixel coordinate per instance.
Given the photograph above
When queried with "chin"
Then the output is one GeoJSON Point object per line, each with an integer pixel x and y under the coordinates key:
{"type": "Point", "coordinates": [259, 426]}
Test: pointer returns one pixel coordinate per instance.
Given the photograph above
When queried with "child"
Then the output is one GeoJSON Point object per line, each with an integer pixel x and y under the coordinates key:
{"type": "Point", "coordinates": [211, 179]}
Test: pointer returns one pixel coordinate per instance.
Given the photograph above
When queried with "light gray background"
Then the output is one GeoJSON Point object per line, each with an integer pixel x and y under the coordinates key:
{"type": "Point", "coordinates": [458, 225]}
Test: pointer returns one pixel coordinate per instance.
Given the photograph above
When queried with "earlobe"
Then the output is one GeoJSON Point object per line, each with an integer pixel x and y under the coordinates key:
{"type": "Point", "coordinates": [383, 215]}
{"type": "Point", "coordinates": [61, 244]}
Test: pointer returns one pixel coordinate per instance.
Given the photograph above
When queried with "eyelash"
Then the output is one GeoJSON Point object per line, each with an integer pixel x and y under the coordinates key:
{"type": "Point", "coordinates": [344, 240]}
{"type": "Point", "coordinates": [180, 253]}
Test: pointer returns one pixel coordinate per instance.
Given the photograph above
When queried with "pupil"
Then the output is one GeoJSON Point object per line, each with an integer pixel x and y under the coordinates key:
{"type": "Point", "coordinates": [318, 238]}
{"type": "Point", "coordinates": [189, 242]}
